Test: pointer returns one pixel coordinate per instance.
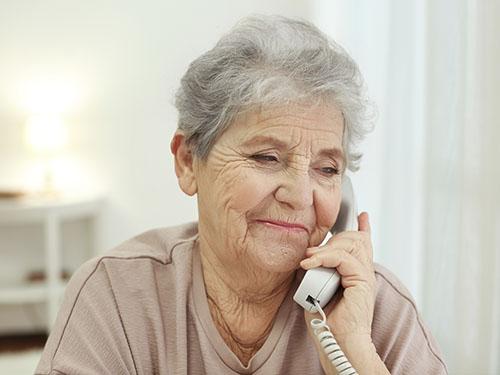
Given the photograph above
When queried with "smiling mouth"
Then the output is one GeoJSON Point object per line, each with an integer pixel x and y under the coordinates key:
{"type": "Point", "coordinates": [282, 226]}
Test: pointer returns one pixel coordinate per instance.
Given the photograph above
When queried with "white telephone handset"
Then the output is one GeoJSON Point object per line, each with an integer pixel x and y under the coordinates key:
{"type": "Point", "coordinates": [320, 284]}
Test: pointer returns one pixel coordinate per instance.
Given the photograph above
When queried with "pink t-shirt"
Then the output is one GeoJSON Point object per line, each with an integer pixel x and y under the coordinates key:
{"type": "Point", "coordinates": [142, 309]}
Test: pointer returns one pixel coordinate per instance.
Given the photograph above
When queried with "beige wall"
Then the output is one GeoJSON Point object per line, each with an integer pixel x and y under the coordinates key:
{"type": "Point", "coordinates": [128, 57]}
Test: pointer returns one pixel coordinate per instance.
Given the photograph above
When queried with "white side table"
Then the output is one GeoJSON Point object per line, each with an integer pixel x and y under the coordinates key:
{"type": "Point", "coordinates": [51, 213]}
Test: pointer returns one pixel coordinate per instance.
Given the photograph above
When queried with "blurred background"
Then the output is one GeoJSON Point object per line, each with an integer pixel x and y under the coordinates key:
{"type": "Point", "coordinates": [86, 117]}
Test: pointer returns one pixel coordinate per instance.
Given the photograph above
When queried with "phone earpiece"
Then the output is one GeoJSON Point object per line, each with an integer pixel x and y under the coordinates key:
{"type": "Point", "coordinates": [347, 218]}
{"type": "Point", "coordinates": [321, 283]}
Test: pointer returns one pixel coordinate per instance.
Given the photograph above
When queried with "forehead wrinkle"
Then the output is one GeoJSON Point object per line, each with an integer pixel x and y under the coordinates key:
{"type": "Point", "coordinates": [304, 126]}
{"type": "Point", "coordinates": [288, 130]}
{"type": "Point", "coordinates": [286, 116]}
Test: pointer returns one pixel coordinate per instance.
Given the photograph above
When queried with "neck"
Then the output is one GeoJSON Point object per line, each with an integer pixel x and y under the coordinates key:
{"type": "Point", "coordinates": [242, 307]}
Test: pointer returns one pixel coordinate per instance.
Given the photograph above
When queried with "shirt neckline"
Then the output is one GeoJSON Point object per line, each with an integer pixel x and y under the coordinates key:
{"type": "Point", "coordinates": [223, 351]}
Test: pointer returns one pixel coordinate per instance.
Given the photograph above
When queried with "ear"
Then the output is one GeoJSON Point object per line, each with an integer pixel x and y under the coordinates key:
{"type": "Point", "coordinates": [183, 163]}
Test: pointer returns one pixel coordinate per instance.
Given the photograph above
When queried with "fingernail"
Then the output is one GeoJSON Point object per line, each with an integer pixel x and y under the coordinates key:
{"type": "Point", "coordinates": [311, 250]}
{"type": "Point", "coordinates": [309, 263]}
{"type": "Point", "coordinates": [304, 262]}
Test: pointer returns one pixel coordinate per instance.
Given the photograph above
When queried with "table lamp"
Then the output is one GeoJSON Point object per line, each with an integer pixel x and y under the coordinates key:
{"type": "Point", "coordinates": [47, 136]}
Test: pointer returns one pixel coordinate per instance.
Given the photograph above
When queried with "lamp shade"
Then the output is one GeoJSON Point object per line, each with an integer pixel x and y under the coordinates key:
{"type": "Point", "coordinates": [46, 133]}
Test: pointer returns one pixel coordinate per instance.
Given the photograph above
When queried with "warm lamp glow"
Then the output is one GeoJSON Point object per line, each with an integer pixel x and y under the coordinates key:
{"type": "Point", "coordinates": [44, 96]}
{"type": "Point", "coordinates": [46, 100]}
{"type": "Point", "coordinates": [46, 133]}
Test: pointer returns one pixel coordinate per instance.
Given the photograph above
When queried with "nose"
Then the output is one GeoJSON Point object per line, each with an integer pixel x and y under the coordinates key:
{"type": "Point", "coordinates": [296, 190]}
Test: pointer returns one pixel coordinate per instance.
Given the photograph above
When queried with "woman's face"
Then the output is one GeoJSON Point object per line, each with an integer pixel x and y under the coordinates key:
{"type": "Point", "coordinates": [271, 186]}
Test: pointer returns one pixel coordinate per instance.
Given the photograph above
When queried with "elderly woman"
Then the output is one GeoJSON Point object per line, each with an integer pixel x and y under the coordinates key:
{"type": "Point", "coordinates": [269, 121]}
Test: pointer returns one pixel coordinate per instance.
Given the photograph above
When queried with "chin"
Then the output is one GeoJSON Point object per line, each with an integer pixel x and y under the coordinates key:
{"type": "Point", "coordinates": [281, 259]}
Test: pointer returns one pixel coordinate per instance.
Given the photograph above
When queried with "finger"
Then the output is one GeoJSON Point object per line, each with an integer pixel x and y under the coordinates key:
{"type": "Point", "coordinates": [312, 250]}
{"type": "Point", "coordinates": [328, 259]}
{"type": "Point", "coordinates": [352, 242]}
{"type": "Point", "coordinates": [339, 242]}
{"type": "Point", "coordinates": [350, 268]}
{"type": "Point", "coordinates": [345, 234]}
{"type": "Point", "coordinates": [364, 222]}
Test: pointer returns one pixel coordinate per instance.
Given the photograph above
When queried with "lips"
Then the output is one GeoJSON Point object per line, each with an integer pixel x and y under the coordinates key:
{"type": "Point", "coordinates": [284, 225]}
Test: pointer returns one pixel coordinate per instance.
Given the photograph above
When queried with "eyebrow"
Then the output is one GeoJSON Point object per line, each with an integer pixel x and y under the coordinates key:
{"type": "Point", "coordinates": [333, 153]}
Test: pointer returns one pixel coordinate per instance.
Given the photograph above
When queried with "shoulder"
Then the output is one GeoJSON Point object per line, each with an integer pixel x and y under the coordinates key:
{"type": "Point", "coordinates": [115, 293]}
{"type": "Point", "coordinates": [399, 333]}
{"type": "Point", "coordinates": [389, 286]}
{"type": "Point", "coordinates": [135, 261]}
{"type": "Point", "coordinates": [157, 244]}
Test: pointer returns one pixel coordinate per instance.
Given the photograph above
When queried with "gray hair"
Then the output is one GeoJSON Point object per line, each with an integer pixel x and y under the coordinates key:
{"type": "Point", "coordinates": [271, 60]}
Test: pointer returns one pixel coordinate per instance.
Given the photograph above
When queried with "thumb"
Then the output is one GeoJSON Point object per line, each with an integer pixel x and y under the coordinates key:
{"type": "Point", "coordinates": [364, 222]}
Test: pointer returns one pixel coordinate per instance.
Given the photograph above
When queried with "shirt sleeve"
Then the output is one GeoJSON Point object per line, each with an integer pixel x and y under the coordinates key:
{"type": "Point", "coordinates": [88, 336]}
{"type": "Point", "coordinates": [403, 342]}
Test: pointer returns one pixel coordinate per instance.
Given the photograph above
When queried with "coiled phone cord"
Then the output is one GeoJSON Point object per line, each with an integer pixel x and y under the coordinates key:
{"type": "Point", "coordinates": [329, 344]}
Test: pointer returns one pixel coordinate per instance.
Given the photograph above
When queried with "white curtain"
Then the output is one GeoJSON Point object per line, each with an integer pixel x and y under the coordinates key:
{"type": "Point", "coordinates": [431, 173]}
{"type": "Point", "coordinates": [462, 118]}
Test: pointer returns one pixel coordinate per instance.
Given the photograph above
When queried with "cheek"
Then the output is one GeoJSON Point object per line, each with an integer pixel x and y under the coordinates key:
{"type": "Point", "coordinates": [247, 191]}
{"type": "Point", "coordinates": [327, 207]}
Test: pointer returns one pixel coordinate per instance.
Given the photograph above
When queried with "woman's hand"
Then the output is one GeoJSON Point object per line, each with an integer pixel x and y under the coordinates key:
{"type": "Point", "coordinates": [350, 312]}
{"type": "Point", "coordinates": [351, 253]}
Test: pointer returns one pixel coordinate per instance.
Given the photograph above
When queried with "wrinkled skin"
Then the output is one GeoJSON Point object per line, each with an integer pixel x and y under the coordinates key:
{"type": "Point", "coordinates": [248, 264]}
{"type": "Point", "coordinates": [293, 184]}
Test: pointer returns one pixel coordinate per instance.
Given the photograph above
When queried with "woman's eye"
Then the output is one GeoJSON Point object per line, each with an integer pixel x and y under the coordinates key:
{"type": "Point", "coordinates": [329, 171]}
{"type": "Point", "coordinates": [265, 158]}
